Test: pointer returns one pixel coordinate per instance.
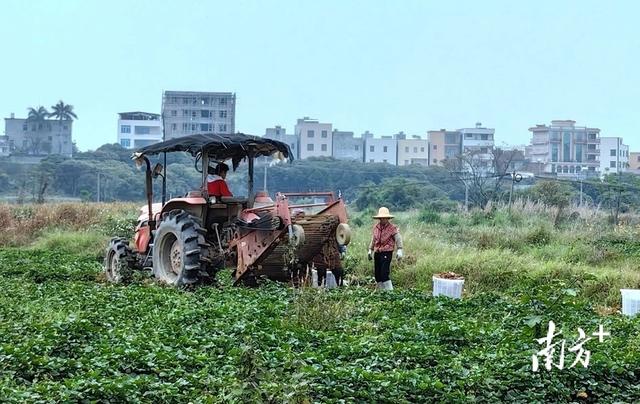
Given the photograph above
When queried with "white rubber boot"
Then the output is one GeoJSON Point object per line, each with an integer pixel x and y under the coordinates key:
{"type": "Point", "coordinates": [387, 285]}
{"type": "Point", "coordinates": [378, 285]}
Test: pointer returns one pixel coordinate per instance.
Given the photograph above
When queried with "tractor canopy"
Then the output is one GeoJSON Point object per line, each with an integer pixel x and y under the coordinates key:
{"type": "Point", "coordinates": [221, 147]}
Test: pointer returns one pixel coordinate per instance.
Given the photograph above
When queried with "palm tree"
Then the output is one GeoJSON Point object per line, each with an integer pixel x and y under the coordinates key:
{"type": "Point", "coordinates": [62, 112]}
{"type": "Point", "coordinates": [37, 117]}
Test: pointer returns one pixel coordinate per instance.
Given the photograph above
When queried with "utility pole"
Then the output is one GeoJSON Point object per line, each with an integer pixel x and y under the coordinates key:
{"type": "Point", "coordinates": [513, 181]}
{"type": "Point", "coordinates": [466, 196]}
{"type": "Point", "coordinates": [98, 187]}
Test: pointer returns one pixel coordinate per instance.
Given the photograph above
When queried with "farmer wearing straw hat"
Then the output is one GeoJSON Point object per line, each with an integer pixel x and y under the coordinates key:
{"type": "Point", "coordinates": [385, 239]}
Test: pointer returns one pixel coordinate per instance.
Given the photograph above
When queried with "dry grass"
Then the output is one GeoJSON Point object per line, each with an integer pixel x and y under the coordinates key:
{"type": "Point", "coordinates": [22, 224]}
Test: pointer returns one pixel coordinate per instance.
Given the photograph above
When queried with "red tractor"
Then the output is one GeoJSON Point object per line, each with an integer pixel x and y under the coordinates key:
{"type": "Point", "coordinates": [189, 239]}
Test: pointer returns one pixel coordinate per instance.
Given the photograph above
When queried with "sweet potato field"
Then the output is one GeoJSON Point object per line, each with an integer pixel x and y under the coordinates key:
{"type": "Point", "coordinates": [67, 336]}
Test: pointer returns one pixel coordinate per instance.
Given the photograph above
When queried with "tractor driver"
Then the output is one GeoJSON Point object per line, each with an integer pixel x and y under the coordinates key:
{"type": "Point", "coordinates": [216, 184]}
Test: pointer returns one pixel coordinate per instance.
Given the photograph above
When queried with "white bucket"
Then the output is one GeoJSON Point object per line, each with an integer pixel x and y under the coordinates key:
{"type": "Point", "coordinates": [630, 301]}
{"type": "Point", "coordinates": [448, 287]}
{"type": "Point", "coordinates": [314, 278]}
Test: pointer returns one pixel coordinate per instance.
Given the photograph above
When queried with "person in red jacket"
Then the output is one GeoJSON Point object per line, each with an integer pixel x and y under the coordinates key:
{"type": "Point", "coordinates": [216, 184]}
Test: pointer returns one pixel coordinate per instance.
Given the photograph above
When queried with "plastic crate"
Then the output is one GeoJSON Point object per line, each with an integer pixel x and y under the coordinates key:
{"type": "Point", "coordinates": [448, 287]}
{"type": "Point", "coordinates": [630, 301]}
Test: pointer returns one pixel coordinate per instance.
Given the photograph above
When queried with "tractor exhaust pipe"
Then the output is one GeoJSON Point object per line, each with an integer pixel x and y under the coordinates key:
{"type": "Point", "coordinates": [139, 159]}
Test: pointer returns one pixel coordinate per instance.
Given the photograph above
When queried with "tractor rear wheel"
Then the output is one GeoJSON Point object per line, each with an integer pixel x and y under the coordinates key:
{"type": "Point", "coordinates": [177, 255]}
{"type": "Point", "coordinates": [118, 261]}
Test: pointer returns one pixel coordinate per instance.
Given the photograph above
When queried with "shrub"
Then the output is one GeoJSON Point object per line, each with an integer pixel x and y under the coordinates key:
{"type": "Point", "coordinates": [428, 216]}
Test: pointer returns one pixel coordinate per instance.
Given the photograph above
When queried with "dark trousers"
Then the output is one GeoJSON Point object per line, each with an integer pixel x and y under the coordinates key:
{"type": "Point", "coordinates": [382, 265]}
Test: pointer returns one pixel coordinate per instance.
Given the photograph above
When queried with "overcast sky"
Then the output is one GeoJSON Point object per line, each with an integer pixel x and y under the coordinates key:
{"type": "Point", "coordinates": [383, 66]}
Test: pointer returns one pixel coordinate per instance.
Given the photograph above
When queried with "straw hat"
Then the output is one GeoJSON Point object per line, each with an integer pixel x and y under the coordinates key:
{"type": "Point", "coordinates": [383, 213]}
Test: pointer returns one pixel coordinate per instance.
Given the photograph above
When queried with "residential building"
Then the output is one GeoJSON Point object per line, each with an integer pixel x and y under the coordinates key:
{"type": "Point", "coordinates": [478, 144]}
{"type": "Point", "coordinates": [51, 136]}
{"type": "Point", "coordinates": [634, 161]}
{"type": "Point", "coordinates": [443, 144]}
{"type": "Point", "coordinates": [190, 112]}
{"type": "Point", "coordinates": [614, 155]}
{"type": "Point", "coordinates": [566, 149]}
{"type": "Point", "coordinates": [347, 147]}
{"type": "Point", "coordinates": [413, 150]}
{"type": "Point", "coordinates": [279, 133]}
{"type": "Point", "coordinates": [138, 129]}
{"type": "Point", "coordinates": [4, 146]}
{"type": "Point", "coordinates": [380, 150]}
{"type": "Point", "coordinates": [315, 138]}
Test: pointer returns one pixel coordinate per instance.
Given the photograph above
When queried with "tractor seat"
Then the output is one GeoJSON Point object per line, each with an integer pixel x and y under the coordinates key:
{"type": "Point", "coordinates": [194, 194]}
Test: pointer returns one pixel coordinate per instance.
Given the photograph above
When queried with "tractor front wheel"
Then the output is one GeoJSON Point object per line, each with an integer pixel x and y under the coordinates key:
{"type": "Point", "coordinates": [118, 261]}
{"type": "Point", "coordinates": [177, 249]}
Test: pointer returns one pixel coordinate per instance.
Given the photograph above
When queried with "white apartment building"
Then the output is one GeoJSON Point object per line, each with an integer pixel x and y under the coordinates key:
{"type": "Point", "coordinates": [380, 150]}
{"type": "Point", "coordinates": [346, 146]}
{"type": "Point", "coordinates": [279, 133]}
{"type": "Point", "coordinates": [190, 112]}
{"type": "Point", "coordinates": [413, 150]}
{"type": "Point", "coordinates": [138, 129]}
{"type": "Point", "coordinates": [315, 138]}
{"type": "Point", "coordinates": [566, 149]}
{"type": "Point", "coordinates": [614, 155]}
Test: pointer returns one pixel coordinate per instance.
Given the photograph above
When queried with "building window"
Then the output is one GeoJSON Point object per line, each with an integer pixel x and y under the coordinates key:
{"type": "Point", "coordinates": [357, 147]}
{"type": "Point", "coordinates": [142, 130]}
{"type": "Point", "coordinates": [371, 160]}
{"type": "Point", "coordinates": [554, 153]}
{"type": "Point", "coordinates": [415, 149]}
{"type": "Point", "coordinates": [206, 127]}
{"type": "Point", "coordinates": [25, 127]}
{"type": "Point", "coordinates": [468, 135]}
{"type": "Point", "coordinates": [223, 113]}
{"type": "Point", "coordinates": [384, 149]}
{"type": "Point", "coordinates": [310, 147]}
{"type": "Point", "coordinates": [174, 100]}
{"type": "Point", "coordinates": [223, 101]}
{"type": "Point", "coordinates": [451, 138]}
{"type": "Point", "coordinates": [372, 149]}
{"type": "Point", "coordinates": [579, 152]}
{"type": "Point", "coordinates": [483, 150]}
{"type": "Point", "coordinates": [125, 143]}
{"type": "Point", "coordinates": [324, 133]}
{"type": "Point", "coordinates": [612, 152]}
{"type": "Point", "coordinates": [566, 146]}
{"type": "Point", "coordinates": [205, 113]}
{"type": "Point", "coordinates": [422, 149]}
{"type": "Point", "coordinates": [222, 127]}
{"type": "Point", "coordinates": [194, 127]}
{"type": "Point", "coordinates": [174, 126]}
{"type": "Point", "coordinates": [174, 112]}
{"type": "Point", "coordinates": [612, 164]}
{"type": "Point", "coordinates": [310, 133]}
{"type": "Point", "coordinates": [406, 149]}
{"type": "Point", "coordinates": [435, 147]}
{"type": "Point", "coordinates": [323, 147]}
{"type": "Point", "coordinates": [384, 161]}
{"type": "Point", "coordinates": [205, 100]}
{"type": "Point", "coordinates": [484, 137]}
{"type": "Point", "coordinates": [125, 128]}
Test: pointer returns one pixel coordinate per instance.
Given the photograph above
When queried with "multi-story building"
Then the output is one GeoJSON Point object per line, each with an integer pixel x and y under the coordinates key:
{"type": "Point", "coordinates": [315, 138]}
{"type": "Point", "coordinates": [380, 150]}
{"type": "Point", "coordinates": [189, 112]}
{"type": "Point", "coordinates": [443, 145]}
{"type": "Point", "coordinates": [279, 133]}
{"type": "Point", "coordinates": [566, 149]}
{"type": "Point", "coordinates": [347, 147]}
{"type": "Point", "coordinates": [634, 161]}
{"type": "Point", "coordinates": [4, 146]}
{"type": "Point", "coordinates": [614, 155]}
{"type": "Point", "coordinates": [50, 136]}
{"type": "Point", "coordinates": [413, 150]}
{"type": "Point", "coordinates": [478, 143]}
{"type": "Point", "coordinates": [139, 129]}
